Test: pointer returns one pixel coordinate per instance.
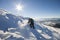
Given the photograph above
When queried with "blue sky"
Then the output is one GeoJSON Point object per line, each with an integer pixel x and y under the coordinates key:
{"type": "Point", "coordinates": [33, 8]}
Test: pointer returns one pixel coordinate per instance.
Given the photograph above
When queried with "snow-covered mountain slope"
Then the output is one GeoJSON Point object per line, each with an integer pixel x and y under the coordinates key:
{"type": "Point", "coordinates": [24, 32]}
{"type": "Point", "coordinates": [16, 28]}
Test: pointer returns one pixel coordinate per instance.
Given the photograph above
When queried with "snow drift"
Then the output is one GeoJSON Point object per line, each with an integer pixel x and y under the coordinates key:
{"type": "Point", "coordinates": [16, 28]}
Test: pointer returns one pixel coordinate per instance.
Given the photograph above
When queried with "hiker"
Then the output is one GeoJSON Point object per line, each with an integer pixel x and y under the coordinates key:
{"type": "Point", "coordinates": [31, 23]}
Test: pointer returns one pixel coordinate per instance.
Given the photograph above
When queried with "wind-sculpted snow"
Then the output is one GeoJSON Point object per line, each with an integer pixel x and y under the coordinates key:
{"type": "Point", "coordinates": [17, 28]}
{"type": "Point", "coordinates": [26, 33]}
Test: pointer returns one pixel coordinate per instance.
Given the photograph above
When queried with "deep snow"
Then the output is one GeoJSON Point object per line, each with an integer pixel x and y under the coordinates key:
{"type": "Point", "coordinates": [16, 28]}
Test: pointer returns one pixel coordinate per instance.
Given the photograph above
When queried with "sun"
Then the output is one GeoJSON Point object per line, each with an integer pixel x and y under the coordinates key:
{"type": "Point", "coordinates": [19, 7]}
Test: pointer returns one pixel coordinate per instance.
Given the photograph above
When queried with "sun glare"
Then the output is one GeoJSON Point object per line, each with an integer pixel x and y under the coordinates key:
{"type": "Point", "coordinates": [19, 7]}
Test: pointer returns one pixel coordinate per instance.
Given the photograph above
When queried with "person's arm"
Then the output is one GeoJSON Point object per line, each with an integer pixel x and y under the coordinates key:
{"type": "Point", "coordinates": [29, 22]}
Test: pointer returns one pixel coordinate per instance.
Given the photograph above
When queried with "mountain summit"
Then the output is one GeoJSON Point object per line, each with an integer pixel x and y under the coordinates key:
{"type": "Point", "coordinates": [17, 28]}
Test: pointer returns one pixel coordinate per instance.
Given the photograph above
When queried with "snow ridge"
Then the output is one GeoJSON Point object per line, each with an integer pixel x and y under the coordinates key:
{"type": "Point", "coordinates": [16, 28]}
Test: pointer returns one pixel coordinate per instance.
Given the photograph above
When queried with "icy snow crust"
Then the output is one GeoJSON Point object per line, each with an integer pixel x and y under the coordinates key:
{"type": "Point", "coordinates": [16, 28]}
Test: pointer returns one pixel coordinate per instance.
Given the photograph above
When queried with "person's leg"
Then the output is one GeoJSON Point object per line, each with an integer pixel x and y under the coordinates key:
{"type": "Point", "coordinates": [33, 27]}
{"type": "Point", "coordinates": [30, 25]}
